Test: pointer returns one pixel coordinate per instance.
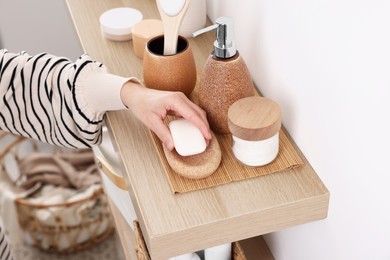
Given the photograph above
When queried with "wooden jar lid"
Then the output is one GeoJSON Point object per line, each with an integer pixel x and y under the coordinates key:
{"type": "Point", "coordinates": [254, 118]}
{"type": "Point", "coordinates": [148, 28]}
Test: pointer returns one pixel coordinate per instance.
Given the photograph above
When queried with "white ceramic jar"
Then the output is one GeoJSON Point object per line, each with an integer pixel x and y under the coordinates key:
{"type": "Point", "coordinates": [220, 252]}
{"type": "Point", "coordinates": [255, 123]}
{"type": "Point", "coordinates": [194, 19]}
{"type": "Point", "coordinates": [116, 24]}
{"type": "Point", "coordinates": [190, 256]}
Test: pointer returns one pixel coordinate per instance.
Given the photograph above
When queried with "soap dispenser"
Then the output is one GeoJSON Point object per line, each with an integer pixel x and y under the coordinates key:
{"type": "Point", "coordinates": [225, 77]}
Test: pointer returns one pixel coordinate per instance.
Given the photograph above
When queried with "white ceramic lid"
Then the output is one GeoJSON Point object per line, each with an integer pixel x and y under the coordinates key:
{"type": "Point", "coordinates": [119, 21]}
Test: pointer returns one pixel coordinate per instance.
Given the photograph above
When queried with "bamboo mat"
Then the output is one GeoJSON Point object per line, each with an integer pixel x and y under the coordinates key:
{"type": "Point", "coordinates": [230, 168]}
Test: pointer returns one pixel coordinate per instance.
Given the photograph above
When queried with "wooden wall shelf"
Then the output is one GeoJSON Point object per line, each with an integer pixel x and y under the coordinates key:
{"type": "Point", "coordinates": [177, 224]}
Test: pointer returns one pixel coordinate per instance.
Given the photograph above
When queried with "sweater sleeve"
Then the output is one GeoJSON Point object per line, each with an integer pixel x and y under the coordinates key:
{"type": "Point", "coordinates": [54, 100]}
{"type": "Point", "coordinates": [4, 247]}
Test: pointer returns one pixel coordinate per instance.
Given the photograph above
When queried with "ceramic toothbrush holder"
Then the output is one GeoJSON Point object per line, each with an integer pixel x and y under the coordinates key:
{"type": "Point", "coordinates": [169, 72]}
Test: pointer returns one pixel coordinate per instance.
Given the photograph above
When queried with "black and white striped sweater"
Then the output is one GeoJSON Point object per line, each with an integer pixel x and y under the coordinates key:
{"type": "Point", "coordinates": [54, 100]}
{"type": "Point", "coordinates": [5, 253]}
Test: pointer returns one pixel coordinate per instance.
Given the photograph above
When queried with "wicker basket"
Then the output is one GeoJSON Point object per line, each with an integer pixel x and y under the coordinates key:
{"type": "Point", "coordinates": [62, 238]}
{"type": "Point", "coordinates": [94, 223]}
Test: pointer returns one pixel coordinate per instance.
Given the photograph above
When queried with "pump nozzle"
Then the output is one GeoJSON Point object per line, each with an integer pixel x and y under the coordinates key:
{"type": "Point", "coordinates": [224, 45]}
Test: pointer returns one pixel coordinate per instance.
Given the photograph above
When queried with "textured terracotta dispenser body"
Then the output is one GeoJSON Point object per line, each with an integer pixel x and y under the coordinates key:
{"type": "Point", "coordinates": [225, 78]}
{"type": "Point", "coordinates": [223, 82]}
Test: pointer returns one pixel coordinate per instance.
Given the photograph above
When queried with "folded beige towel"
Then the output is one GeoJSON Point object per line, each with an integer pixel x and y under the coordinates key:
{"type": "Point", "coordinates": [69, 169]}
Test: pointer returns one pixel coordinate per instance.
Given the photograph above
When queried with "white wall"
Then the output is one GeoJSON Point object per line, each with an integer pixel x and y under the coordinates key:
{"type": "Point", "coordinates": [38, 26]}
{"type": "Point", "coordinates": [327, 63]}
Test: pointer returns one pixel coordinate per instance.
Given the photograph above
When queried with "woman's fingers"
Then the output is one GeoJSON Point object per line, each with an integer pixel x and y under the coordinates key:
{"type": "Point", "coordinates": [182, 106]}
{"type": "Point", "coordinates": [156, 124]}
{"type": "Point", "coordinates": [151, 107]}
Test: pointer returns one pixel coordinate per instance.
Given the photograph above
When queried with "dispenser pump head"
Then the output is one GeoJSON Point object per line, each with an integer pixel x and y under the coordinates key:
{"type": "Point", "coordinates": [224, 46]}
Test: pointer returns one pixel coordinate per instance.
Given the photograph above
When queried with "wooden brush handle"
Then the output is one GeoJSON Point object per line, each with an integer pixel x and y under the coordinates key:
{"type": "Point", "coordinates": [171, 34]}
{"type": "Point", "coordinates": [171, 27]}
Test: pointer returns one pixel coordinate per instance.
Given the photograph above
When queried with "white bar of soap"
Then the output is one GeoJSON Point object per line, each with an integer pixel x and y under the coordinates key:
{"type": "Point", "coordinates": [187, 138]}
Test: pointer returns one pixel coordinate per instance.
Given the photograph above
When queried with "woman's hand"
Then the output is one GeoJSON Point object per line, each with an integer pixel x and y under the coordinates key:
{"type": "Point", "coordinates": [151, 106]}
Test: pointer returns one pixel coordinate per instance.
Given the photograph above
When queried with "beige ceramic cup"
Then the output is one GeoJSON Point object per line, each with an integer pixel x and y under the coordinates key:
{"type": "Point", "coordinates": [142, 32]}
{"type": "Point", "coordinates": [169, 72]}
